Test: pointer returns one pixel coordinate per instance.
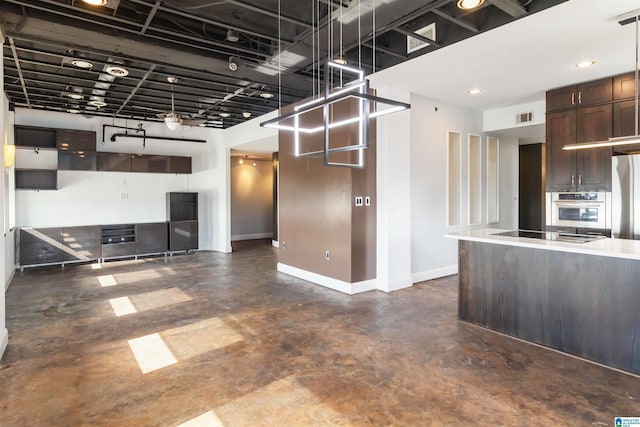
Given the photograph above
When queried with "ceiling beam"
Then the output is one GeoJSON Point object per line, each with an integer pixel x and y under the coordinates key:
{"type": "Point", "coordinates": [150, 16]}
{"type": "Point", "coordinates": [135, 89]}
{"type": "Point", "coordinates": [17, 61]}
{"type": "Point", "coordinates": [460, 22]}
{"type": "Point", "coordinates": [268, 13]}
{"type": "Point", "coordinates": [511, 7]}
{"type": "Point", "coordinates": [385, 50]}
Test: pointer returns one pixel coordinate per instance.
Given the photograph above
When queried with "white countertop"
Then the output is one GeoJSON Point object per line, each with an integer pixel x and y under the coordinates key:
{"type": "Point", "coordinates": [618, 248]}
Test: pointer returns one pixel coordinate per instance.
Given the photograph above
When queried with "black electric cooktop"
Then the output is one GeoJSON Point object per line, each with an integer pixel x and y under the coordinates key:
{"type": "Point", "coordinates": [550, 235]}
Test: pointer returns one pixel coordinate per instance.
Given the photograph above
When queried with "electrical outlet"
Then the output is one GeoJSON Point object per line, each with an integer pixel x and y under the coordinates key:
{"type": "Point", "coordinates": [284, 245]}
{"type": "Point", "coordinates": [367, 201]}
{"type": "Point", "coordinates": [358, 200]}
{"type": "Point", "coordinates": [327, 256]}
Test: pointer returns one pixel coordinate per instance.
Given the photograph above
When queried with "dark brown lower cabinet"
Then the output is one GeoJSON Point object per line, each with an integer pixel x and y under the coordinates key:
{"type": "Point", "coordinates": [152, 238]}
{"type": "Point", "coordinates": [81, 243]}
{"type": "Point", "coordinates": [40, 246]}
{"type": "Point", "coordinates": [118, 240]}
{"type": "Point", "coordinates": [183, 235]}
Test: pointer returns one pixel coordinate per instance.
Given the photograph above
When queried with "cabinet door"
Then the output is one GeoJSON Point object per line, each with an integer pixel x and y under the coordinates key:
{"type": "Point", "coordinates": [77, 160]}
{"type": "Point", "coordinates": [68, 139]}
{"type": "Point", "coordinates": [40, 246]}
{"type": "Point", "coordinates": [81, 243]}
{"type": "Point", "coordinates": [624, 86]}
{"type": "Point", "coordinates": [152, 238]}
{"type": "Point", "coordinates": [561, 164]}
{"type": "Point", "coordinates": [31, 136]}
{"type": "Point", "coordinates": [180, 164]}
{"type": "Point", "coordinates": [595, 92]}
{"type": "Point", "coordinates": [562, 98]}
{"type": "Point", "coordinates": [594, 164]}
{"type": "Point", "coordinates": [183, 235]}
{"type": "Point", "coordinates": [114, 162]}
{"type": "Point", "coordinates": [624, 123]}
{"type": "Point", "coordinates": [149, 163]}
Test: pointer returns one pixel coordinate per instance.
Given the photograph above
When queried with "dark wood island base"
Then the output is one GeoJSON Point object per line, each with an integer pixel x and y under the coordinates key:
{"type": "Point", "coordinates": [584, 305]}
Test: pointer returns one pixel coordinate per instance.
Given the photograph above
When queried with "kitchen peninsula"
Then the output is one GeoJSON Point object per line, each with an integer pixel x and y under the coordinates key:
{"type": "Point", "coordinates": [579, 298]}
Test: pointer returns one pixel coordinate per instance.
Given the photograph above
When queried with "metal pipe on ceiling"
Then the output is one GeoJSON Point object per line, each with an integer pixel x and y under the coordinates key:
{"type": "Point", "coordinates": [17, 61]}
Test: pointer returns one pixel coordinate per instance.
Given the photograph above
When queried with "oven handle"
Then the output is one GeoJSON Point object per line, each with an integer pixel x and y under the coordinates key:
{"type": "Point", "coordinates": [579, 205]}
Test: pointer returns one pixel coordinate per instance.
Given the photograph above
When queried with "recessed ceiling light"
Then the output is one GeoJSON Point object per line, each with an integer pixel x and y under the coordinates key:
{"type": "Point", "coordinates": [81, 63]}
{"type": "Point", "coordinates": [585, 64]}
{"type": "Point", "coordinates": [117, 71]}
{"type": "Point", "coordinates": [474, 91]}
{"type": "Point", "coordinates": [224, 114]}
{"type": "Point", "coordinates": [246, 114]}
{"type": "Point", "coordinates": [266, 95]}
{"type": "Point", "coordinates": [73, 111]}
{"type": "Point", "coordinates": [97, 103]}
{"type": "Point", "coordinates": [75, 96]}
{"type": "Point", "coordinates": [96, 2]}
{"type": "Point", "coordinates": [469, 4]}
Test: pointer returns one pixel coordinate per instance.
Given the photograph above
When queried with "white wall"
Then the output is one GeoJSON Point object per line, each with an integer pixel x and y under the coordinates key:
{"type": "Point", "coordinates": [88, 197]}
{"type": "Point", "coordinates": [9, 202]}
{"type": "Point", "coordinates": [433, 255]}
{"type": "Point", "coordinates": [509, 179]}
{"type": "Point", "coordinates": [251, 199]}
{"type": "Point", "coordinates": [505, 118]}
{"type": "Point", "coordinates": [4, 131]}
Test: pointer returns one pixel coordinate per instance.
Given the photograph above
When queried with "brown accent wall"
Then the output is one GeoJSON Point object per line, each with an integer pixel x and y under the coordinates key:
{"type": "Point", "coordinates": [317, 209]}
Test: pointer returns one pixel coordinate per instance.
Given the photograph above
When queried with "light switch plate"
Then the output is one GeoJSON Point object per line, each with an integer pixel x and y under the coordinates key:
{"type": "Point", "coordinates": [358, 200]}
{"type": "Point", "coordinates": [367, 201]}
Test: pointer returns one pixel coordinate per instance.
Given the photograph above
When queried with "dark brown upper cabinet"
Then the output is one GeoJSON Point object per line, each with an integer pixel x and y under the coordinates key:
{"type": "Point", "coordinates": [114, 162]}
{"type": "Point", "coordinates": [82, 140]}
{"type": "Point", "coordinates": [179, 164]}
{"type": "Point", "coordinates": [77, 160]}
{"type": "Point", "coordinates": [31, 136]}
{"type": "Point", "coordinates": [149, 163]}
{"type": "Point", "coordinates": [582, 95]}
{"type": "Point", "coordinates": [624, 86]}
{"type": "Point", "coordinates": [624, 123]}
{"type": "Point", "coordinates": [579, 170]}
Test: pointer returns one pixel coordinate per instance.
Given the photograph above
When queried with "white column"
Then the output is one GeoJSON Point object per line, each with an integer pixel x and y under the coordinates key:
{"type": "Point", "coordinates": [394, 195]}
{"type": "Point", "coordinates": [4, 131]}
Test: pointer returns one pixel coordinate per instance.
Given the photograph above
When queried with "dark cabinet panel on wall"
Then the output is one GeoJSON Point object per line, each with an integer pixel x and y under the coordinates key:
{"type": "Point", "coordinates": [81, 243]}
{"type": "Point", "coordinates": [624, 86]}
{"type": "Point", "coordinates": [77, 160]}
{"type": "Point", "coordinates": [178, 164]}
{"type": "Point", "coordinates": [624, 123]}
{"type": "Point", "coordinates": [152, 238]}
{"type": "Point", "coordinates": [182, 206]}
{"type": "Point", "coordinates": [31, 179]}
{"type": "Point", "coordinates": [114, 162]}
{"type": "Point", "coordinates": [31, 136]}
{"type": "Point", "coordinates": [149, 163]}
{"type": "Point", "coordinates": [561, 164]}
{"type": "Point", "coordinates": [581, 95]}
{"type": "Point", "coordinates": [68, 139]}
{"type": "Point", "coordinates": [40, 246]}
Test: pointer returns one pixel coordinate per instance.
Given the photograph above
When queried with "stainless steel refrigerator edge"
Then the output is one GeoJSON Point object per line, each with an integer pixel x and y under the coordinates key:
{"type": "Point", "coordinates": [625, 196]}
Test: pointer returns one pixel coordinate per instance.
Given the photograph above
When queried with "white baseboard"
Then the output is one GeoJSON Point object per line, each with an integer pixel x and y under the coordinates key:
{"type": "Point", "coordinates": [422, 276]}
{"type": "Point", "coordinates": [394, 285]}
{"type": "Point", "coordinates": [251, 236]}
{"type": "Point", "coordinates": [328, 282]}
{"type": "Point", "coordinates": [4, 341]}
{"type": "Point", "coordinates": [275, 243]}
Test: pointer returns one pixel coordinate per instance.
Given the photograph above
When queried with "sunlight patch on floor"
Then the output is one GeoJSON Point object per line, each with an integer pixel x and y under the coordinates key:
{"type": "Point", "coordinates": [151, 353]}
{"type": "Point", "coordinates": [208, 419]}
{"type": "Point", "coordinates": [107, 280]}
{"type": "Point", "coordinates": [200, 337]}
{"type": "Point", "coordinates": [147, 301]}
{"type": "Point", "coordinates": [282, 403]}
{"type": "Point", "coordinates": [122, 306]}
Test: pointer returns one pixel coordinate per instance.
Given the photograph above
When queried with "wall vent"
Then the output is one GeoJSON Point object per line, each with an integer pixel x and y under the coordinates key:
{"type": "Point", "coordinates": [524, 117]}
{"type": "Point", "coordinates": [414, 44]}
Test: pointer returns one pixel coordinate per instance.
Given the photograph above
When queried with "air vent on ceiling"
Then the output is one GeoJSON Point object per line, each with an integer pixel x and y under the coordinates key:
{"type": "Point", "coordinates": [524, 117]}
{"type": "Point", "coordinates": [414, 44]}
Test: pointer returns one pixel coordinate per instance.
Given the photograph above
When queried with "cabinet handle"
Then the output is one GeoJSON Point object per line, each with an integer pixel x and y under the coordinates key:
{"type": "Point", "coordinates": [580, 97]}
{"type": "Point", "coordinates": [573, 180]}
{"type": "Point", "coordinates": [573, 98]}
{"type": "Point", "coordinates": [579, 179]}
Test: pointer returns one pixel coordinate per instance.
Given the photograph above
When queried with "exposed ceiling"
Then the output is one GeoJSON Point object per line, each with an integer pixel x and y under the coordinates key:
{"type": "Point", "coordinates": [191, 40]}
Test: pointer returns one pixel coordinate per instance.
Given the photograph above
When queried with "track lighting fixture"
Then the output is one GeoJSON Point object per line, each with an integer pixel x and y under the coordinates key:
{"type": "Point", "coordinates": [233, 63]}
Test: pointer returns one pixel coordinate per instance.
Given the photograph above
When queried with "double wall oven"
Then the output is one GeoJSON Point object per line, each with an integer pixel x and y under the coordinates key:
{"type": "Point", "coordinates": [579, 210]}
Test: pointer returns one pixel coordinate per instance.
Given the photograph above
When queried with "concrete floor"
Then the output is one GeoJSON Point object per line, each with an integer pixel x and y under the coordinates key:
{"type": "Point", "coordinates": [214, 339]}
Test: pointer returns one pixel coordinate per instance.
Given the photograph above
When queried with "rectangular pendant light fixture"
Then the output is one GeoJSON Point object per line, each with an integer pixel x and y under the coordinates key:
{"type": "Point", "coordinates": [357, 90]}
